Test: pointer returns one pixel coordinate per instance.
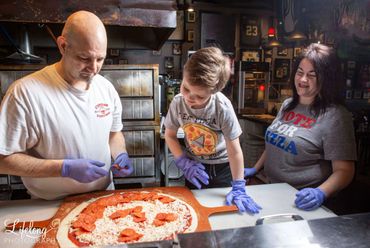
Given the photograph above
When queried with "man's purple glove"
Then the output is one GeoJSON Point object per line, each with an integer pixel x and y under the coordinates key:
{"type": "Point", "coordinates": [83, 170]}
{"type": "Point", "coordinates": [193, 170]}
{"type": "Point", "coordinates": [249, 172]}
{"type": "Point", "coordinates": [122, 166]}
{"type": "Point", "coordinates": [309, 198]}
{"type": "Point", "coordinates": [238, 196]}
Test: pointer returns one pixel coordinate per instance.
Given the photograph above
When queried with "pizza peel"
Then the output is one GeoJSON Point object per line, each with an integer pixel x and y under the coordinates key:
{"type": "Point", "coordinates": [51, 226]}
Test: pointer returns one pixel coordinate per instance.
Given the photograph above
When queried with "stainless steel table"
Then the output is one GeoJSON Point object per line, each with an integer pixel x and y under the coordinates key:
{"type": "Point", "coordinates": [335, 232]}
{"type": "Point", "coordinates": [274, 198]}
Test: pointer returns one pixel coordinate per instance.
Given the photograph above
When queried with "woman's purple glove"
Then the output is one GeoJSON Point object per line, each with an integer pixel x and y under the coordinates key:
{"type": "Point", "coordinates": [309, 198]}
{"type": "Point", "coordinates": [249, 172]}
{"type": "Point", "coordinates": [83, 170]}
{"type": "Point", "coordinates": [244, 202]}
{"type": "Point", "coordinates": [193, 170]}
{"type": "Point", "coordinates": [122, 166]}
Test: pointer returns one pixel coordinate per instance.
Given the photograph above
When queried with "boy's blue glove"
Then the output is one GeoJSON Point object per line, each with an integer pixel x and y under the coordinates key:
{"type": "Point", "coordinates": [122, 166]}
{"type": "Point", "coordinates": [239, 197]}
{"type": "Point", "coordinates": [250, 172]}
{"type": "Point", "coordinates": [193, 170]}
{"type": "Point", "coordinates": [83, 170]}
{"type": "Point", "coordinates": [309, 198]}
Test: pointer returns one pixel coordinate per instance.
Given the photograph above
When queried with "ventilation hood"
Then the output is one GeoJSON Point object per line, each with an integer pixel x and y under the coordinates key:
{"type": "Point", "coordinates": [145, 24]}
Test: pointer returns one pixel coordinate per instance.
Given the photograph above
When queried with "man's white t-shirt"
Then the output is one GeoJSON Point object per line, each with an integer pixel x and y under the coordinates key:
{"type": "Point", "coordinates": [45, 117]}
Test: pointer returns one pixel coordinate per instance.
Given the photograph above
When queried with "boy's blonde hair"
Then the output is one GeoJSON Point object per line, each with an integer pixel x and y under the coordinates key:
{"type": "Point", "coordinates": [208, 67]}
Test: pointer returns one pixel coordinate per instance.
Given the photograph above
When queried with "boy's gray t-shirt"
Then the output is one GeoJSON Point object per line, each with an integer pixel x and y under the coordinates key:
{"type": "Point", "coordinates": [205, 129]}
{"type": "Point", "coordinates": [300, 147]}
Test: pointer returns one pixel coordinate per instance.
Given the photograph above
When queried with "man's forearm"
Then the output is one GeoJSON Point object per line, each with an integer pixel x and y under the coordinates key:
{"type": "Point", "coordinates": [19, 164]}
{"type": "Point", "coordinates": [117, 144]}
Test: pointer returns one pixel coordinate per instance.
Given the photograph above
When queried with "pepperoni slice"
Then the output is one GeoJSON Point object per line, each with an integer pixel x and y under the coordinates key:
{"type": "Point", "coordinates": [158, 222]}
{"type": "Point", "coordinates": [161, 218]}
{"type": "Point", "coordinates": [85, 222]}
{"type": "Point", "coordinates": [138, 217]}
{"type": "Point", "coordinates": [128, 235]}
{"type": "Point", "coordinates": [166, 199]}
{"type": "Point", "coordinates": [119, 214]}
{"type": "Point", "coordinates": [171, 217]}
{"type": "Point", "coordinates": [137, 209]}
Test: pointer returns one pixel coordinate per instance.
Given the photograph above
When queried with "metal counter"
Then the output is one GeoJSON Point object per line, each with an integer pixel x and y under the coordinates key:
{"type": "Point", "coordinates": [273, 198]}
{"type": "Point", "coordinates": [344, 231]}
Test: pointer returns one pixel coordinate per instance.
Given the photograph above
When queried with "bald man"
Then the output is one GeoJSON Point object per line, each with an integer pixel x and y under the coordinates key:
{"type": "Point", "coordinates": [60, 127]}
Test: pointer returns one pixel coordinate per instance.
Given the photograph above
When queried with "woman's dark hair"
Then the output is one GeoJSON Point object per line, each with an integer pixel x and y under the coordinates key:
{"type": "Point", "coordinates": [328, 75]}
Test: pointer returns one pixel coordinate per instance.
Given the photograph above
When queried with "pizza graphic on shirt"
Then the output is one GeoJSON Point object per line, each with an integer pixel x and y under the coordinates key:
{"type": "Point", "coordinates": [202, 140]}
{"type": "Point", "coordinates": [126, 217]}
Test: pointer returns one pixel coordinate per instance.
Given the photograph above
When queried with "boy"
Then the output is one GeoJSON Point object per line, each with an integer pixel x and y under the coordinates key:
{"type": "Point", "coordinates": [213, 154]}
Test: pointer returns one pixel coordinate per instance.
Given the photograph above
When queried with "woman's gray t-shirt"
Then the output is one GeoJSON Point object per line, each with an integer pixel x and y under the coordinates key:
{"type": "Point", "coordinates": [300, 147]}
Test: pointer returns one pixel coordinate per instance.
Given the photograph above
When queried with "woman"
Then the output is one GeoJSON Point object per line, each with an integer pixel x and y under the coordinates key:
{"type": "Point", "coordinates": [311, 143]}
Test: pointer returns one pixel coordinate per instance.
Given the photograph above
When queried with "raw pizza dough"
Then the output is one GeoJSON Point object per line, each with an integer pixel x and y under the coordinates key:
{"type": "Point", "coordinates": [107, 231]}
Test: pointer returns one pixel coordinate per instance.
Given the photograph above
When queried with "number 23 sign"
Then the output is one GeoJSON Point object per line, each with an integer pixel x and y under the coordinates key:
{"type": "Point", "coordinates": [250, 33]}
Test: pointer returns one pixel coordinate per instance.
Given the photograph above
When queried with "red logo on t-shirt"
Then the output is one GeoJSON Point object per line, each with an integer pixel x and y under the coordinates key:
{"type": "Point", "coordinates": [102, 109]}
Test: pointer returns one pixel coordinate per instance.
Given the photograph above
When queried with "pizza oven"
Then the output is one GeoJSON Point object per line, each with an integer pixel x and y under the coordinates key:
{"type": "Point", "coordinates": [138, 88]}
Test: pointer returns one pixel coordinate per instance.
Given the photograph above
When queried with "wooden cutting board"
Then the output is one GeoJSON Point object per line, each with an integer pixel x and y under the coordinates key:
{"type": "Point", "coordinates": [51, 226]}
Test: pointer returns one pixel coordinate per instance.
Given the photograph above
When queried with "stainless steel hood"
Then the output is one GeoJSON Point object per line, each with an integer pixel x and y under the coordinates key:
{"type": "Point", "coordinates": [146, 23]}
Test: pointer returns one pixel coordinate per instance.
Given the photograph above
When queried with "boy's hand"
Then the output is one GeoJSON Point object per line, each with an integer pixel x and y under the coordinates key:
{"type": "Point", "coordinates": [193, 170]}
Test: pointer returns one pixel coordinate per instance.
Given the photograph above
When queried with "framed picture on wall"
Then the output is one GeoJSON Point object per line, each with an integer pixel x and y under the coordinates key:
{"type": "Point", "coordinates": [282, 51]}
{"type": "Point", "coordinates": [268, 52]}
{"type": "Point", "coordinates": [297, 51]}
{"type": "Point", "coordinates": [190, 35]}
{"type": "Point", "coordinates": [366, 95]}
{"type": "Point", "coordinates": [251, 55]}
{"type": "Point", "coordinates": [357, 94]}
{"type": "Point", "coordinates": [329, 40]}
{"type": "Point", "coordinates": [190, 16]}
{"type": "Point", "coordinates": [250, 33]}
{"type": "Point", "coordinates": [176, 48]}
{"type": "Point", "coordinates": [363, 75]}
{"type": "Point", "coordinates": [168, 62]}
{"type": "Point", "coordinates": [281, 70]}
{"type": "Point", "coordinates": [114, 52]}
{"type": "Point", "coordinates": [348, 94]}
